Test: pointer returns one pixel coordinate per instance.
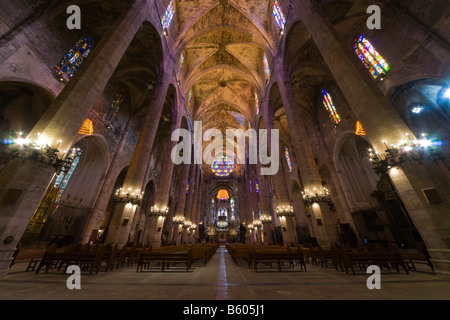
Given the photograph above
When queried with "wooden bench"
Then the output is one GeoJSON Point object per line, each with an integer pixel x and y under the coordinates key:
{"type": "Point", "coordinates": [85, 260]}
{"type": "Point", "coordinates": [31, 257]}
{"type": "Point", "coordinates": [203, 252]}
{"type": "Point", "coordinates": [365, 258]}
{"type": "Point", "coordinates": [165, 258]}
{"type": "Point", "coordinates": [414, 256]}
{"type": "Point", "coordinates": [289, 255]}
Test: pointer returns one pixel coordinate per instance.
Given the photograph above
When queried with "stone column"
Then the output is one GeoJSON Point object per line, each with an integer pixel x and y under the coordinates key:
{"type": "Point", "coordinates": [281, 193]}
{"type": "Point", "coordinates": [382, 123]}
{"type": "Point", "coordinates": [197, 205]}
{"type": "Point", "coordinates": [304, 156]}
{"type": "Point", "coordinates": [189, 202]}
{"type": "Point", "coordinates": [120, 227]}
{"type": "Point", "coordinates": [265, 213]}
{"type": "Point", "coordinates": [193, 213]}
{"type": "Point", "coordinates": [104, 196]}
{"type": "Point", "coordinates": [181, 202]}
{"type": "Point", "coordinates": [23, 183]}
{"type": "Point", "coordinates": [162, 195]}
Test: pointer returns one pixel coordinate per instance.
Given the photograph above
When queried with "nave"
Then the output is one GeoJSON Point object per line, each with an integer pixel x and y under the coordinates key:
{"type": "Point", "coordinates": [222, 279]}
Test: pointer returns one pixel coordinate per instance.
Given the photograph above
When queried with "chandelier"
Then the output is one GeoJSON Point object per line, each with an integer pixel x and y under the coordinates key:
{"type": "Point", "coordinates": [179, 220]}
{"type": "Point", "coordinates": [266, 219]}
{"type": "Point", "coordinates": [223, 195]}
{"type": "Point", "coordinates": [316, 196]}
{"type": "Point", "coordinates": [285, 211]}
{"type": "Point", "coordinates": [36, 151]}
{"type": "Point", "coordinates": [155, 211]}
{"type": "Point", "coordinates": [405, 150]}
{"type": "Point", "coordinates": [128, 196]}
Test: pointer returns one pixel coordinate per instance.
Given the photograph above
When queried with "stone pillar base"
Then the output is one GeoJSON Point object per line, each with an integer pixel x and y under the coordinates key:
{"type": "Point", "coordinates": [5, 261]}
{"type": "Point", "coordinates": [440, 258]}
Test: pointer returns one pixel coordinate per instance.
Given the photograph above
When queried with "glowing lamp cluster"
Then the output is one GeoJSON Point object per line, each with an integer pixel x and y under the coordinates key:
{"type": "Point", "coordinates": [316, 195]}
{"type": "Point", "coordinates": [87, 128]}
{"type": "Point", "coordinates": [159, 211]}
{"type": "Point", "coordinates": [285, 211]}
{"type": "Point", "coordinates": [406, 149]}
{"type": "Point", "coordinates": [222, 167]}
{"type": "Point", "coordinates": [128, 196]}
{"type": "Point", "coordinates": [179, 220]}
{"type": "Point", "coordinates": [223, 195]}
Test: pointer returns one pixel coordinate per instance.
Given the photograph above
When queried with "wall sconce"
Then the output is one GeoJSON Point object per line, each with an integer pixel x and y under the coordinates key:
{"type": "Point", "coordinates": [179, 220]}
{"type": "Point", "coordinates": [37, 151]}
{"type": "Point", "coordinates": [285, 211]}
{"type": "Point", "coordinates": [159, 212]}
{"type": "Point", "coordinates": [406, 150]}
{"type": "Point", "coordinates": [128, 197]}
{"type": "Point", "coordinates": [266, 219]}
{"type": "Point", "coordinates": [316, 196]}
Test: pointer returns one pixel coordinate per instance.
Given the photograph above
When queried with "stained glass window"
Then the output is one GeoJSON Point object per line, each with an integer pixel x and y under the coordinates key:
{"type": "Point", "coordinates": [288, 158]}
{"type": "Point", "coordinates": [63, 178]}
{"type": "Point", "coordinates": [190, 100]}
{"type": "Point", "coordinates": [233, 216]}
{"type": "Point", "coordinates": [257, 102]}
{"type": "Point", "coordinates": [371, 59]}
{"type": "Point", "coordinates": [180, 65]}
{"type": "Point", "coordinates": [73, 59]}
{"type": "Point", "coordinates": [329, 106]}
{"type": "Point", "coordinates": [250, 182]}
{"type": "Point", "coordinates": [256, 186]}
{"type": "Point", "coordinates": [266, 67]}
{"type": "Point", "coordinates": [114, 109]}
{"type": "Point", "coordinates": [187, 188]}
{"type": "Point", "coordinates": [279, 16]}
{"type": "Point", "coordinates": [222, 167]}
{"type": "Point", "coordinates": [168, 16]}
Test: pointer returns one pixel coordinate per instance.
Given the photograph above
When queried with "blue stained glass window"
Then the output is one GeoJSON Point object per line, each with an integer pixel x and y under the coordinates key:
{"type": "Point", "coordinates": [168, 16]}
{"type": "Point", "coordinates": [330, 108]}
{"type": "Point", "coordinates": [114, 109]}
{"type": "Point", "coordinates": [73, 59]}
{"type": "Point", "coordinates": [63, 178]}
{"type": "Point", "coordinates": [233, 215]}
{"type": "Point", "coordinates": [222, 167]}
{"type": "Point", "coordinates": [288, 159]}
{"type": "Point", "coordinates": [279, 16]}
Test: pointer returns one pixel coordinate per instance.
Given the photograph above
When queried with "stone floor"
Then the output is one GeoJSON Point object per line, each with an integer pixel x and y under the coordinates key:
{"type": "Point", "coordinates": [221, 279]}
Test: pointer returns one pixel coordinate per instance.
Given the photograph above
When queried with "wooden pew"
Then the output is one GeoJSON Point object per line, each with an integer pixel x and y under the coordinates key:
{"type": "Point", "coordinates": [203, 252]}
{"type": "Point", "coordinates": [85, 260]}
{"type": "Point", "coordinates": [31, 257]}
{"type": "Point", "coordinates": [289, 255]}
{"type": "Point", "coordinates": [164, 257]}
{"type": "Point", "coordinates": [418, 255]}
{"type": "Point", "coordinates": [363, 259]}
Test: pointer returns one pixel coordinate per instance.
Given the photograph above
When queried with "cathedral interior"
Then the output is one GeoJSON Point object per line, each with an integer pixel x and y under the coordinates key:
{"type": "Point", "coordinates": [339, 133]}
